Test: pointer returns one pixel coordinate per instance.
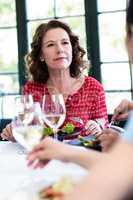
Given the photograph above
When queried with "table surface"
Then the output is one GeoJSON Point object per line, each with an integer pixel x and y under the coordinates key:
{"type": "Point", "coordinates": [14, 173]}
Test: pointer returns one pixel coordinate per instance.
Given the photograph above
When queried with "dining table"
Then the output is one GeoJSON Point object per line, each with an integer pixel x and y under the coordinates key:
{"type": "Point", "coordinates": [16, 177]}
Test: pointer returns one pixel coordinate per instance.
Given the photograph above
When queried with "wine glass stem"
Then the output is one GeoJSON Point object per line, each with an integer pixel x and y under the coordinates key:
{"type": "Point", "coordinates": [55, 133]}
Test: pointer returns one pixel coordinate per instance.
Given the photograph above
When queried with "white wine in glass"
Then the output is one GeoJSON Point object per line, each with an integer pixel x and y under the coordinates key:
{"type": "Point", "coordinates": [27, 126]}
{"type": "Point", "coordinates": [54, 111]}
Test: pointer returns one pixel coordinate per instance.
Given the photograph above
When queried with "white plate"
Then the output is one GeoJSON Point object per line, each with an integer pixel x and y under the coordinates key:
{"type": "Point", "coordinates": [117, 128]}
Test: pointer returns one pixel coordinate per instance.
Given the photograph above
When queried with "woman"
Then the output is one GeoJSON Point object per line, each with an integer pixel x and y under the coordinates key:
{"type": "Point", "coordinates": [56, 61]}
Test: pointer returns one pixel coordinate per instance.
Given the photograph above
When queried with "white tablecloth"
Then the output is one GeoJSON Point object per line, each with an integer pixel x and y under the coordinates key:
{"type": "Point", "coordinates": [15, 174]}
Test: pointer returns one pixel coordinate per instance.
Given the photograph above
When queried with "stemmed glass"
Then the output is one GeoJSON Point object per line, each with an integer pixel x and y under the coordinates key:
{"type": "Point", "coordinates": [27, 126]}
{"type": "Point", "coordinates": [27, 129]}
{"type": "Point", "coordinates": [54, 111]}
{"type": "Point", "coordinates": [24, 107]}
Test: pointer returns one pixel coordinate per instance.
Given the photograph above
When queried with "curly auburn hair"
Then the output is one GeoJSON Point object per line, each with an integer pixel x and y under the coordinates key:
{"type": "Point", "coordinates": [38, 69]}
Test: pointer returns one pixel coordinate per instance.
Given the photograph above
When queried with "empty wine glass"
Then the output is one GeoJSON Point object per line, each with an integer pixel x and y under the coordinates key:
{"type": "Point", "coordinates": [54, 111]}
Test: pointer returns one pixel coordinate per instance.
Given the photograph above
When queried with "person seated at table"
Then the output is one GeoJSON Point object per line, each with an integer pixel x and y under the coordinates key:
{"type": "Point", "coordinates": [56, 61]}
{"type": "Point", "coordinates": [122, 111]}
{"type": "Point", "coordinates": [110, 178]}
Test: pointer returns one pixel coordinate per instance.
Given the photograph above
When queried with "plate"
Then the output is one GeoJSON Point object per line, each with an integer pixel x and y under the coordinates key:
{"type": "Point", "coordinates": [92, 142]}
{"type": "Point", "coordinates": [65, 136]}
{"type": "Point", "coordinates": [118, 129]}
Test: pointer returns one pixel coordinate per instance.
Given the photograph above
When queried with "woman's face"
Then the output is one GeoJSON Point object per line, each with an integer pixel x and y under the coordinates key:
{"type": "Point", "coordinates": [57, 49]}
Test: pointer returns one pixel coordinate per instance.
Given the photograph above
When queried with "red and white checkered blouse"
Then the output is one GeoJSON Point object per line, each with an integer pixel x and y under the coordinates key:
{"type": "Point", "coordinates": [87, 103]}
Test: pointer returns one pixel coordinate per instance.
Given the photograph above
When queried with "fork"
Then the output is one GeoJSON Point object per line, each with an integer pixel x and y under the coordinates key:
{"type": "Point", "coordinates": [111, 123]}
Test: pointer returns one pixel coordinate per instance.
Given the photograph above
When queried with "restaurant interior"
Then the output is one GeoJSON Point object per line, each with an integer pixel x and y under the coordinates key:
{"type": "Point", "coordinates": [100, 26]}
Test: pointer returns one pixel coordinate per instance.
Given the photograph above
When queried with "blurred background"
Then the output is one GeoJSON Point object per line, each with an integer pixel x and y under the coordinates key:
{"type": "Point", "coordinates": [100, 24]}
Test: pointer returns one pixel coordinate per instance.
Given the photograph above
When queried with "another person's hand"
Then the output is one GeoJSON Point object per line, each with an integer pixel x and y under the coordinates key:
{"type": "Point", "coordinates": [93, 128]}
{"type": "Point", "coordinates": [107, 139]}
{"type": "Point", "coordinates": [7, 133]}
{"type": "Point", "coordinates": [46, 150]}
{"type": "Point", "coordinates": [49, 149]}
{"type": "Point", "coordinates": [121, 112]}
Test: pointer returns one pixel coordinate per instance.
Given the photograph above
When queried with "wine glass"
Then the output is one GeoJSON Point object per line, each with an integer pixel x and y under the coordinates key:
{"type": "Point", "coordinates": [54, 111]}
{"type": "Point", "coordinates": [27, 126]}
{"type": "Point", "coordinates": [27, 129]}
{"type": "Point", "coordinates": [24, 106]}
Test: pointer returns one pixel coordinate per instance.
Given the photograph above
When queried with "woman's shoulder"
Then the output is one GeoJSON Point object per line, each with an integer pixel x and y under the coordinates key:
{"type": "Point", "coordinates": [34, 85]}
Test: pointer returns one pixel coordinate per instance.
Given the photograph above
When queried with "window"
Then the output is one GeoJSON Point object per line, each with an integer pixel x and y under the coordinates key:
{"type": "Point", "coordinates": [8, 55]}
{"type": "Point", "coordinates": [115, 69]}
{"type": "Point", "coordinates": [105, 28]}
{"type": "Point", "coordinates": [71, 12]}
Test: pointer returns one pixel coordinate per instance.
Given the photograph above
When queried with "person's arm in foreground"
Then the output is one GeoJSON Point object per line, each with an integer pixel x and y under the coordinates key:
{"type": "Point", "coordinates": [121, 112]}
{"type": "Point", "coordinates": [110, 179]}
{"type": "Point", "coordinates": [51, 149]}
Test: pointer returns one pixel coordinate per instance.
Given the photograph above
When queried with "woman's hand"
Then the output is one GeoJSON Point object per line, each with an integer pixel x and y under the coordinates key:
{"type": "Point", "coordinates": [92, 127]}
{"type": "Point", "coordinates": [7, 133]}
{"type": "Point", "coordinates": [121, 112]}
{"type": "Point", "coordinates": [107, 139]}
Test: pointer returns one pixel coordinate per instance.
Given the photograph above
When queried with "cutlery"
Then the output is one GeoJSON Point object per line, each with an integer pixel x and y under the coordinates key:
{"type": "Point", "coordinates": [111, 123]}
